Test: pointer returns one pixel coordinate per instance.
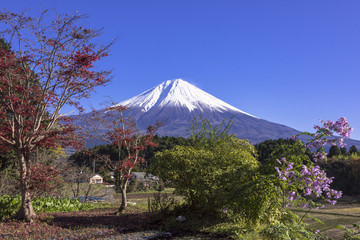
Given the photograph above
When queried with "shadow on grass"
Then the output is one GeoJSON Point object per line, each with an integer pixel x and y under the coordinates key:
{"type": "Point", "coordinates": [131, 225]}
{"type": "Point", "coordinates": [102, 223]}
{"type": "Point", "coordinates": [196, 224]}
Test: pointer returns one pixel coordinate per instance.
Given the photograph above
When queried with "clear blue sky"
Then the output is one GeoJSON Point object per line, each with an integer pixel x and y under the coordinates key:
{"type": "Point", "coordinates": [290, 62]}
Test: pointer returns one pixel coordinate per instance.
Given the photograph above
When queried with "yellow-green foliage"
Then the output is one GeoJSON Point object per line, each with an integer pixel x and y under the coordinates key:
{"type": "Point", "coordinates": [352, 157]}
{"type": "Point", "coordinates": [204, 171]}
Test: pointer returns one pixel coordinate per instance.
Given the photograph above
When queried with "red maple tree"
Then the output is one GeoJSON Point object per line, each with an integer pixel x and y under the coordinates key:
{"type": "Point", "coordinates": [44, 179]}
{"type": "Point", "coordinates": [43, 66]}
{"type": "Point", "coordinates": [114, 128]}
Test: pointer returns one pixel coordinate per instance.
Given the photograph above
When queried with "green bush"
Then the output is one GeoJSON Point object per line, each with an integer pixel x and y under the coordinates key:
{"type": "Point", "coordinates": [159, 186]}
{"type": "Point", "coordinates": [204, 172]}
{"type": "Point", "coordinates": [289, 227]}
{"type": "Point", "coordinates": [162, 203]}
{"type": "Point", "coordinates": [141, 187]}
{"type": "Point", "coordinates": [9, 206]}
{"type": "Point", "coordinates": [270, 151]}
{"type": "Point", "coordinates": [132, 186]}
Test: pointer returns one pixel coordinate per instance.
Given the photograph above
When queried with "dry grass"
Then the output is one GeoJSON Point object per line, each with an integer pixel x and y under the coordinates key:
{"type": "Point", "coordinates": [346, 215]}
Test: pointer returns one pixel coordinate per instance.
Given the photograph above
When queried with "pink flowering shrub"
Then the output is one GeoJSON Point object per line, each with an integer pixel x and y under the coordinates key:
{"type": "Point", "coordinates": [330, 133]}
{"type": "Point", "coordinates": [302, 185]}
{"type": "Point", "coordinates": [311, 182]}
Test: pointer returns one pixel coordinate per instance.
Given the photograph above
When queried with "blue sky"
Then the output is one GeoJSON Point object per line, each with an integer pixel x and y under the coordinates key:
{"type": "Point", "coordinates": [290, 62]}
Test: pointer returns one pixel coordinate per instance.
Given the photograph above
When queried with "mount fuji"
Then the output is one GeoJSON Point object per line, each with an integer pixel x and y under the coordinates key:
{"type": "Point", "coordinates": [176, 103]}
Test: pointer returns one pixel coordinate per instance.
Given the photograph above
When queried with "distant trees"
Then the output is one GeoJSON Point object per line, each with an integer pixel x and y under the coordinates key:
{"type": "Point", "coordinates": [353, 150]}
{"type": "Point", "coordinates": [87, 157]}
{"type": "Point", "coordinates": [94, 158]}
{"type": "Point", "coordinates": [334, 151]}
{"type": "Point", "coordinates": [343, 151]}
{"type": "Point", "coordinates": [51, 65]}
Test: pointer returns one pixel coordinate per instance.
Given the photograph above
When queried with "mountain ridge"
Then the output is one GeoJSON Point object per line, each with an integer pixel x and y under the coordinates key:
{"type": "Point", "coordinates": [176, 103]}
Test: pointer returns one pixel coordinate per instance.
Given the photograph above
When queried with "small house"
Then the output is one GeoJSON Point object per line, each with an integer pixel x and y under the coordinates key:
{"type": "Point", "coordinates": [96, 179]}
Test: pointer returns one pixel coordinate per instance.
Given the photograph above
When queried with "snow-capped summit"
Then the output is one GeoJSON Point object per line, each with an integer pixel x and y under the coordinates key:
{"type": "Point", "coordinates": [178, 93]}
{"type": "Point", "coordinates": [176, 103]}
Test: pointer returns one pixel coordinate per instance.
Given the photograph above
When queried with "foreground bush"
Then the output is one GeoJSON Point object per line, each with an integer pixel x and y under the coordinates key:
{"type": "Point", "coordinates": [205, 171]}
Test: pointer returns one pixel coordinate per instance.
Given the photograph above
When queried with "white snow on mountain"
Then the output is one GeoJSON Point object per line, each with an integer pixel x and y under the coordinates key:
{"type": "Point", "coordinates": [177, 103]}
{"type": "Point", "coordinates": [178, 93]}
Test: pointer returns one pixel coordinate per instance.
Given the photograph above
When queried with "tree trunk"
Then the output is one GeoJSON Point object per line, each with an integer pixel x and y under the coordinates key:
{"type": "Point", "coordinates": [26, 211]}
{"type": "Point", "coordinates": [123, 200]}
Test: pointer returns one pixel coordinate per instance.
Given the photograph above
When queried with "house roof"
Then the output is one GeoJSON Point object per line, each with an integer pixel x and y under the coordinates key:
{"type": "Point", "coordinates": [96, 175]}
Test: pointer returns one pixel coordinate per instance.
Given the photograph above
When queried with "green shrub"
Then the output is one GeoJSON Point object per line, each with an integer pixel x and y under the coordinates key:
{"type": "Point", "coordinates": [270, 151]}
{"type": "Point", "coordinates": [161, 203]}
{"type": "Point", "coordinates": [288, 227]}
{"type": "Point", "coordinates": [141, 187]}
{"type": "Point", "coordinates": [159, 186]}
{"type": "Point", "coordinates": [132, 186]}
{"type": "Point", "coordinates": [204, 172]}
{"type": "Point", "coordinates": [9, 206]}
